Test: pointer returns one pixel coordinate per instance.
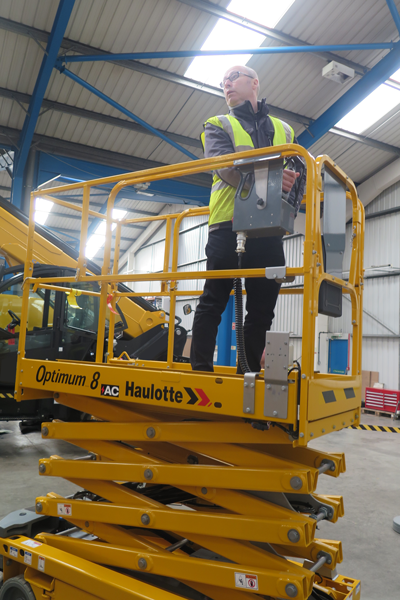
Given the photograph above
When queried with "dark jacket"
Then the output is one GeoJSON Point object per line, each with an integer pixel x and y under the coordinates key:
{"type": "Point", "coordinates": [261, 130]}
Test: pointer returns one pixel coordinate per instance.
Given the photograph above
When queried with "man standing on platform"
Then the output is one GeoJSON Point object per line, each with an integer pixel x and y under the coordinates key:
{"type": "Point", "coordinates": [247, 126]}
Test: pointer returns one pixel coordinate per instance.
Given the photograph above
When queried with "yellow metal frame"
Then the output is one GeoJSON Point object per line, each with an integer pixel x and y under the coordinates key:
{"type": "Point", "coordinates": [316, 417]}
{"type": "Point", "coordinates": [159, 423]}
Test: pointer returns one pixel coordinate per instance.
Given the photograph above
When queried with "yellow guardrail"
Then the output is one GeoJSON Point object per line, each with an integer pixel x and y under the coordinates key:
{"type": "Point", "coordinates": [312, 269]}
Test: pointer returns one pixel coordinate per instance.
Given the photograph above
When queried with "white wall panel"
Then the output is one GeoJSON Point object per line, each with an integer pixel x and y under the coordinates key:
{"type": "Point", "coordinates": [387, 199]}
{"type": "Point", "coordinates": [382, 241]}
{"type": "Point", "coordinates": [289, 308]}
{"type": "Point", "coordinates": [381, 317]}
{"type": "Point", "coordinates": [191, 257]}
{"type": "Point", "coordinates": [382, 355]}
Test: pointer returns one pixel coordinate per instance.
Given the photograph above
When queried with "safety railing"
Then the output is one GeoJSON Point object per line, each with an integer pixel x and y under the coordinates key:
{"type": "Point", "coordinates": [312, 269]}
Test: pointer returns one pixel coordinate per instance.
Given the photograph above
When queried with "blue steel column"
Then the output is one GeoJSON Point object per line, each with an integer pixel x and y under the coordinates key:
{"type": "Point", "coordinates": [394, 13]}
{"type": "Point", "coordinates": [125, 111]}
{"type": "Point", "coordinates": [360, 90]}
{"type": "Point", "coordinates": [225, 52]}
{"type": "Point", "coordinates": [53, 45]}
{"type": "Point", "coordinates": [224, 336]}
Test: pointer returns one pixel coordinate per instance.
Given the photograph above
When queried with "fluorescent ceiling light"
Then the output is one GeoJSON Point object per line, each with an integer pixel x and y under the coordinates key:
{"type": "Point", "coordinates": [379, 102]}
{"type": "Point", "coordinates": [43, 208]}
{"type": "Point", "coordinates": [97, 240]}
{"type": "Point", "coordinates": [229, 36]}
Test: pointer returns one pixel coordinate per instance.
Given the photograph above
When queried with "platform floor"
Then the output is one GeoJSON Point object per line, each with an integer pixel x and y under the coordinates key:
{"type": "Point", "coordinates": [370, 487]}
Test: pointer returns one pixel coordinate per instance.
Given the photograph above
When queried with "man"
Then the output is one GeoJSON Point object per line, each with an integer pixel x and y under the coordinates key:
{"type": "Point", "coordinates": [247, 126]}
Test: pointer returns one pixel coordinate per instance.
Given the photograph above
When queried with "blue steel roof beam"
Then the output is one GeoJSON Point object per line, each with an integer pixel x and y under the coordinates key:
{"type": "Point", "coordinates": [122, 109]}
{"type": "Point", "coordinates": [275, 34]}
{"type": "Point", "coordinates": [75, 46]}
{"type": "Point", "coordinates": [56, 36]}
{"type": "Point", "coordinates": [394, 13]}
{"type": "Point", "coordinates": [8, 147]}
{"type": "Point", "coordinates": [360, 90]}
{"type": "Point", "coordinates": [20, 97]}
{"type": "Point", "coordinates": [195, 53]}
{"type": "Point", "coordinates": [115, 160]}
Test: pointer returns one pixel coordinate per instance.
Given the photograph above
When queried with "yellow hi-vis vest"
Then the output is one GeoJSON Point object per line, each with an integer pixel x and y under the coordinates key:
{"type": "Point", "coordinates": [223, 194]}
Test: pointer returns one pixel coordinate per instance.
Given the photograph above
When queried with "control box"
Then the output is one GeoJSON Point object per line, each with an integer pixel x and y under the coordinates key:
{"type": "Point", "coordinates": [260, 210]}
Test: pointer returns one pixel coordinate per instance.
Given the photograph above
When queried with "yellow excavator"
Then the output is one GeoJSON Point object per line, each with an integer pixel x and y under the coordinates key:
{"type": "Point", "coordinates": [192, 484]}
{"type": "Point", "coordinates": [56, 328]}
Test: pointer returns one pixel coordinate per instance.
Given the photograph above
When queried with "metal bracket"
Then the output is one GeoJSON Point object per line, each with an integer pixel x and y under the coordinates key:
{"type": "Point", "coordinates": [276, 396]}
{"type": "Point", "coordinates": [326, 465]}
{"type": "Point", "coordinates": [279, 274]}
{"type": "Point", "coordinates": [322, 511]}
{"type": "Point", "coordinates": [26, 522]}
{"type": "Point", "coordinates": [249, 392]}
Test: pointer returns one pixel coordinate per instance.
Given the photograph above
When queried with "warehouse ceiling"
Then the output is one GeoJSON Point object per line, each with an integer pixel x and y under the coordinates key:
{"type": "Point", "coordinates": [74, 123]}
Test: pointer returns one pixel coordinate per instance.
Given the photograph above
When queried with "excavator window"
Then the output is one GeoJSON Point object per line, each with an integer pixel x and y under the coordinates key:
{"type": "Point", "coordinates": [84, 314]}
{"type": "Point", "coordinates": [40, 312]}
{"type": "Point", "coordinates": [40, 318]}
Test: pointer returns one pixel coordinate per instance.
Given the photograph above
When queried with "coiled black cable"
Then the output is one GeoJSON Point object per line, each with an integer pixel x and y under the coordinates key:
{"type": "Point", "coordinates": [237, 286]}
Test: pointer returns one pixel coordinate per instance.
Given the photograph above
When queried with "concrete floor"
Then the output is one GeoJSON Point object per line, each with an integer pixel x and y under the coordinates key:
{"type": "Point", "coordinates": [370, 487]}
{"type": "Point", "coordinates": [371, 493]}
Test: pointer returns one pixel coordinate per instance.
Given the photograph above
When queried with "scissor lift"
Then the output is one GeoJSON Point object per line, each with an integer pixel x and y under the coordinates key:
{"type": "Point", "coordinates": [224, 503]}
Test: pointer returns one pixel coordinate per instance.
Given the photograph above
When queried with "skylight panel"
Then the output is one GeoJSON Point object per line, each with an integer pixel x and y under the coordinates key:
{"type": "Point", "coordinates": [43, 208]}
{"type": "Point", "coordinates": [381, 101]}
{"type": "Point", "coordinates": [396, 76]}
{"type": "Point", "coordinates": [97, 240]}
{"type": "Point", "coordinates": [229, 36]}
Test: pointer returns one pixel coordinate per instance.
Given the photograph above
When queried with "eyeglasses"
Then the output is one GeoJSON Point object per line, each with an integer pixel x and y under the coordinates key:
{"type": "Point", "coordinates": [232, 77]}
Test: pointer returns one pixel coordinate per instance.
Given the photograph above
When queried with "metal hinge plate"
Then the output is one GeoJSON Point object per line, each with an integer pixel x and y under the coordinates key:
{"type": "Point", "coordinates": [276, 396]}
{"type": "Point", "coordinates": [249, 393]}
{"type": "Point", "coordinates": [279, 274]}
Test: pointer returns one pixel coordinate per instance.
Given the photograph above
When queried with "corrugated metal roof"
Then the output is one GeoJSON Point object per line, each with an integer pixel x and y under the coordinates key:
{"type": "Point", "coordinates": [292, 81]}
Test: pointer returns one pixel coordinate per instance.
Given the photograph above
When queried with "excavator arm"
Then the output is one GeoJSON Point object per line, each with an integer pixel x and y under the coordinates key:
{"type": "Point", "coordinates": [49, 249]}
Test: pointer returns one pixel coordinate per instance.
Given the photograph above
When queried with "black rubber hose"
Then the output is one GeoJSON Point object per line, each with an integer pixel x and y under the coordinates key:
{"type": "Point", "coordinates": [237, 286]}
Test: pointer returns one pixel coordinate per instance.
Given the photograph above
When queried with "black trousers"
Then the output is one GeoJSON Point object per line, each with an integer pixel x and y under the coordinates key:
{"type": "Point", "coordinates": [262, 295]}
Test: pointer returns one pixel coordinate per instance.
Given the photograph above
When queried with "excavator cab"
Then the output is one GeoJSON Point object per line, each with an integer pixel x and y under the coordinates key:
{"type": "Point", "coordinates": [69, 332]}
{"type": "Point", "coordinates": [55, 329]}
{"type": "Point", "coordinates": [59, 327]}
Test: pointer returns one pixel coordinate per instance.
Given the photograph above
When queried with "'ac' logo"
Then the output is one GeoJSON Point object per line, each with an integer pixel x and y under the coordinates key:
{"type": "Point", "coordinates": [110, 390]}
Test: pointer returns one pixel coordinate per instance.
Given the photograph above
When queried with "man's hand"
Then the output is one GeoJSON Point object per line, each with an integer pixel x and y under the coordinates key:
{"type": "Point", "coordinates": [288, 179]}
{"type": "Point", "coordinates": [262, 361]}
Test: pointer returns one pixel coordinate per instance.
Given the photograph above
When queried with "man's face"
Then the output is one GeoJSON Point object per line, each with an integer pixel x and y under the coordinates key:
{"type": "Point", "coordinates": [243, 88]}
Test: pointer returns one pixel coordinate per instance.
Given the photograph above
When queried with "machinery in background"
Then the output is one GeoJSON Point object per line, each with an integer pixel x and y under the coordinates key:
{"type": "Point", "coordinates": [57, 329]}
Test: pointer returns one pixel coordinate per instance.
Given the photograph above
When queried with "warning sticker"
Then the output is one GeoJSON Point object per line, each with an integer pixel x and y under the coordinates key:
{"type": "Point", "coordinates": [14, 552]}
{"type": "Point", "coordinates": [64, 510]}
{"type": "Point", "coordinates": [358, 588]}
{"type": "Point", "coordinates": [32, 543]}
{"type": "Point", "coordinates": [41, 563]}
{"type": "Point", "coordinates": [249, 582]}
{"type": "Point", "coordinates": [27, 557]}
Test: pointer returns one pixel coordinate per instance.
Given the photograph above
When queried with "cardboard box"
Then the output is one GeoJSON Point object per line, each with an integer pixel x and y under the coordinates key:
{"type": "Point", "coordinates": [368, 379]}
{"type": "Point", "coordinates": [374, 378]}
{"type": "Point", "coordinates": [365, 381]}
